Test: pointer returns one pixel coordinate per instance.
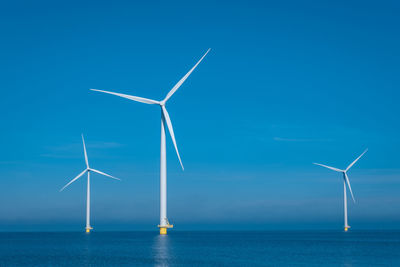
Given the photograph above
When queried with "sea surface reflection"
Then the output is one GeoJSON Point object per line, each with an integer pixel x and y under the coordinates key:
{"type": "Point", "coordinates": [162, 251]}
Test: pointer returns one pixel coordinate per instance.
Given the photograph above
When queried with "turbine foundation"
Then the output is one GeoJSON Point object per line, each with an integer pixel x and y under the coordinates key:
{"type": "Point", "coordinates": [163, 228]}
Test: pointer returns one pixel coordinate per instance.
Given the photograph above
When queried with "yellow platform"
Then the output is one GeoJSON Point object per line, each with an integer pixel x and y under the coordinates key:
{"type": "Point", "coordinates": [163, 228]}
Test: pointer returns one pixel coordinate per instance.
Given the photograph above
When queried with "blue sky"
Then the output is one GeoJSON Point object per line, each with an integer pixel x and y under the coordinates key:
{"type": "Point", "coordinates": [285, 84]}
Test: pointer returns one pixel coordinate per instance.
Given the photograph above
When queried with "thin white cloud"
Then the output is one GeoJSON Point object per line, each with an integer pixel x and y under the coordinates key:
{"type": "Point", "coordinates": [282, 139]}
{"type": "Point", "coordinates": [104, 145]}
{"type": "Point", "coordinates": [69, 150]}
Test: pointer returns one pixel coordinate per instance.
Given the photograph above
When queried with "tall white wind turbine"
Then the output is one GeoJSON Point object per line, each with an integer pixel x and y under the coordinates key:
{"type": "Point", "coordinates": [87, 170]}
{"type": "Point", "coordinates": [165, 119]}
{"type": "Point", "coordinates": [345, 181]}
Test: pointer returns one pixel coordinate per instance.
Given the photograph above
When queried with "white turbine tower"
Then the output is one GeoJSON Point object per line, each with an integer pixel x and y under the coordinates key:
{"type": "Point", "coordinates": [165, 119]}
{"type": "Point", "coordinates": [88, 170]}
{"type": "Point", "coordinates": [345, 181]}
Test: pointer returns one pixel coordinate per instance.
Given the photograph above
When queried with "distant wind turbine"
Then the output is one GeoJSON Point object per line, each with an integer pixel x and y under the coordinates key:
{"type": "Point", "coordinates": [345, 181]}
{"type": "Point", "coordinates": [88, 170]}
{"type": "Point", "coordinates": [165, 119]}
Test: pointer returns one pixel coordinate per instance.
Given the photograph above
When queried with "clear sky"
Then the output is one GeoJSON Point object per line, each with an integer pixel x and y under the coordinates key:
{"type": "Point", "coordinates": [285, 84]}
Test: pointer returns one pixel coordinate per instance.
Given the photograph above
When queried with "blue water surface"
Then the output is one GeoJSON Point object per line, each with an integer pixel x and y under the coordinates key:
{"type": "Point", "coordinates": [209, 248]}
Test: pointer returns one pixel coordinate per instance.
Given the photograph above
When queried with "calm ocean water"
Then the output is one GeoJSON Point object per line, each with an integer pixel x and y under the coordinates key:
{"type": "Point", "coordinates": [238, 248]}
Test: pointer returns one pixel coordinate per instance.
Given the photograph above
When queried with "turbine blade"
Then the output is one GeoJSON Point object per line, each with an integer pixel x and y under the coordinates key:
{"type": "Point", "coordinates": [73, 180]}
{"type": "Point", "coordinates": [105, 174]}
{"type": "Point", "coordinates": [332, 168]}
{"type": "Point", "coordinates": [84, 150]}
{"type": "Point", "coordinates": [348, 184]}
{"type": "Point", "coordinates": [181, 81]}
{"type": "Point", "coordinates": [356, 160]}
{"type": "Point", "coordinates": [171, 132]}
{"type": "Point", "coordinates": [131, 97]}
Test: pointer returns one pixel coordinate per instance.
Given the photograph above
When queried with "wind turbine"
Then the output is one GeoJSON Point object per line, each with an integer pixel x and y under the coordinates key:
{"type": "Point", "coordinates": [165, 119]}
{"type": "Point", "coordinates": [87, 170]}
{"type": "Point", "coordinates": [345, 181]}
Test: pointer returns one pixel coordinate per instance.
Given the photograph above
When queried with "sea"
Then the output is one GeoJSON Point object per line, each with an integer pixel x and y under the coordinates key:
{"type": "Point", "coordinates": [202, 248]}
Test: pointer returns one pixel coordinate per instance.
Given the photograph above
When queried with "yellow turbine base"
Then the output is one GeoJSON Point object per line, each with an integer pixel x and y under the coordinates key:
{"type": "Point", "coordinates": [346, 229]}
{"type": "Point", "coordinates": [163, 230]}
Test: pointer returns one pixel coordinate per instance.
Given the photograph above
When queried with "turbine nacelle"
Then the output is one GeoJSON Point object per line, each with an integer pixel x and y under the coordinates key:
{"type": "Point", "coordinates": [345, 177]}
{"type": "Point", "coordinates": [161, 103]}
{"type": "Point", "coordinates": [88, 169]}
